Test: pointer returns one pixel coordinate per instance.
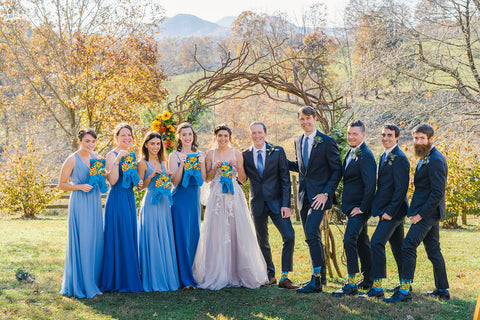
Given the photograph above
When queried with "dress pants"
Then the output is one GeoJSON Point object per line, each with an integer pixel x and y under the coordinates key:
{"type": "Point", "coordinates": [391, 231]}
{"type": "Point", "coordinates": [285, 228]}
{"type": "Point", "coordinates": [428, 232]}
{"type": "Point", "coordinates": [311, 220]}
{"type": "Point", "coordinates": [357, 245]}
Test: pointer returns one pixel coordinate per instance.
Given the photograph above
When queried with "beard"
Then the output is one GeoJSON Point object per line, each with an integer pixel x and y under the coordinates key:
{"type": "Point", "coordinates": [421, 150]}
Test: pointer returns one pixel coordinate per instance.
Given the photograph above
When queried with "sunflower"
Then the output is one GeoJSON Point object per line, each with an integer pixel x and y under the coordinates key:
{"type": "Point", "coordinates": [166, 116]}
{"type": "Point", "coordinates": [156, 125]}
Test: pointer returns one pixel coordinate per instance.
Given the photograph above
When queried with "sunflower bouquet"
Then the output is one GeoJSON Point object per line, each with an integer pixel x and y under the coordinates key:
{"type": "Point", "coordinates": [164, 124]}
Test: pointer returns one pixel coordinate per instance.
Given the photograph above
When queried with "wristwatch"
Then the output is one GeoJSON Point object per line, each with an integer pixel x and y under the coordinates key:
{"type": "Point", "coordinates": [325, 194]}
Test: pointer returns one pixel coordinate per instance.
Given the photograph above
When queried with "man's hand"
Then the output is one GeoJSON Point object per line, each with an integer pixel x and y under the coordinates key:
{"type": "Point", "coordinates": [319, 201]}
{"type": "Point", "coordinates": [355, 211]}
{"type": "Point", "coordinates": [285, 212]}
{"type": "Point", "coordinates": [416, 218]}
{"type": "Point", "coordinates": [385, 216]}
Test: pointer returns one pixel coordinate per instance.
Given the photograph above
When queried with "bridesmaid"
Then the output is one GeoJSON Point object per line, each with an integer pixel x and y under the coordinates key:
{"type": "Point", "coordinates": [158, 261]}
{"type": "Point", "coordinates": [186, 203]}
{"type": "Point", "coordinates": [120, 259]}
{"type": "Point", "coordinates": [83, 261]}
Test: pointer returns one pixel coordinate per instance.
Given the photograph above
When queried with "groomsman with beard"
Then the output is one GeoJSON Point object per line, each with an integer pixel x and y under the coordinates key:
{"type": "Point", "coordinates": [390, 205]}
{"type": "Point", "coordinates": [427, 209]}
{"type": "Point", "coordinates": [359, 182]}
{"type": "Point", "coordinates": [319, 170]}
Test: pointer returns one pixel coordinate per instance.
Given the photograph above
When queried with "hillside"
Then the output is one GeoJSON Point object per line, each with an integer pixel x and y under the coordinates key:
{"type": "Point", "coordinates": [187, 25]}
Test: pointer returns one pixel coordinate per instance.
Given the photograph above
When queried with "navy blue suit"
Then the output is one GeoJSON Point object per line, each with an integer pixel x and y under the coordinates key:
{"type": "Point", "coordinates": [268, 194]}
{"type": "Point", "coordinates": [390, 198]}
{"type": "Point", "coordinates": [429, 202]}
{"type": "Point", "coordinates": [322, 175]}
{"type": "Point", "coordinates": [359, 183]}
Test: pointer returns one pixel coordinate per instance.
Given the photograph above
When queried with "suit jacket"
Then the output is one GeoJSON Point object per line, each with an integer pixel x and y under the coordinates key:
{"type": "Point", "coordinates": [324, 170]}
{"type": "Point", "coordinates": [275, 187]}
{"type": "Point", "coordinates": [392, 186]}
{"type": "Point", "coordinates": [359, 181]}
{"type": "Point", "coordinates": [430, 180]}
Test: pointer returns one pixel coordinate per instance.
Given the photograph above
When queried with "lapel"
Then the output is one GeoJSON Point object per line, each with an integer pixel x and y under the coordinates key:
{"type": "Point", "coordinates": [299, 154]}
{"type": "Point", "coordinates": [251, 162]}
{"type": "Point", "coordinates": [417, 169]}
{"type": "Point", "coordinates": [354, 161]}
{"type": "Point", "coordinates": [385, 162]}
{"type": "Point", "coordinates": [267, 156]}
{"type": "Point", "coordinates": [345, 160]}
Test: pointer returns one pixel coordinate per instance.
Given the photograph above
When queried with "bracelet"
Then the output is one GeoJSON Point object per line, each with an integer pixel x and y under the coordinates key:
{"type": "Point", "coordinates": [115, 164]}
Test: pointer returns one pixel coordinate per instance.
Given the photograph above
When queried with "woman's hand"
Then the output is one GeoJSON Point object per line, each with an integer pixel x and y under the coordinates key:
{"type": "Point", "coordinates": [120, 155]}
{"type": "Point", "coordinates": [201, 158]}
{"type": "Point", "coordinates": [84, 187]}
{"type": "Point", "coordinates": [233, 163]}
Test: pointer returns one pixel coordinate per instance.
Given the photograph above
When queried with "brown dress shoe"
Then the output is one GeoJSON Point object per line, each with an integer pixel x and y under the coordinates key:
{"type": "Point", "coordinates": [271, 281]}
{"type": "Point", "coordinates": [287, 284]}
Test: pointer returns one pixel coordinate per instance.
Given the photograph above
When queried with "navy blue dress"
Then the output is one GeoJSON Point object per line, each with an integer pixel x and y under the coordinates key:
{"type": "Point", "coordinates": [121, 272]}
{"type": "Point", "coordinates": [186, 225]}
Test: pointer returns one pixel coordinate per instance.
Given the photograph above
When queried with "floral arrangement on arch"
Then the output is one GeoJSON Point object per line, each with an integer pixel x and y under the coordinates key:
{"type": "Point", "coordinates": [164, 124]}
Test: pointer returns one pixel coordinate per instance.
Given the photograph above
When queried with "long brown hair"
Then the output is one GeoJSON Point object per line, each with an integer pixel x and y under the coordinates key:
{"type": "Point", "coordinates": [182, 126]}
{"type": "Point", "coordinates": [149, 136]}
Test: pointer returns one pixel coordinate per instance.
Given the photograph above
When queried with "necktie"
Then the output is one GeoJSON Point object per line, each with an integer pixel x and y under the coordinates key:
{"type": "Point", "coordinates": [382, 160]}
{"type": "Point", "coordinates": [419, 165]}
{"type": "Point", "coordinates": [305, 153]}
{"type": "Point", "coordinates": [349, 158]}
{"type": "Point", "coordinates": [260, 163]}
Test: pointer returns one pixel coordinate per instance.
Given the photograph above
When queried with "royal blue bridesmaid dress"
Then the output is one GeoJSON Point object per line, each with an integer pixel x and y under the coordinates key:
{"type": "Point", "coordinates": [158, 261]}
{"type": "Point", "coordinates": [121, 272]}
{"type": "Point", "coordinates": [186, 224]}
{"type": "Point", "coordinates": [83, 261]}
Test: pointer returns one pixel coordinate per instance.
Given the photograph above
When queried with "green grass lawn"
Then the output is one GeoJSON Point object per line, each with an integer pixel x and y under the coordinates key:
{"type": "Point", "coordinates": [38, 246]}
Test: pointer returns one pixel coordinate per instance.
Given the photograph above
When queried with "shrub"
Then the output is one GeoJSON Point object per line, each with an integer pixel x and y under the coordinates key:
{"type": "Point", "coordinates": [25, 178]}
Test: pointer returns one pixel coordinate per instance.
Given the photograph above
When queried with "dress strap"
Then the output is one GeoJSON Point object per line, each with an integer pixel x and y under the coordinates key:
{"type": "Point", "coordinates": [178, 157]}
{"type": "Point", "coordinates": [213, 159]}
{"type": "Point", "coordinates": [234, 156]}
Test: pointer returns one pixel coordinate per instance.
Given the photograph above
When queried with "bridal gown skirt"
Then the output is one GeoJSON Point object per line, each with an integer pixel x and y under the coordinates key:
{"type": "Point", "coordinates": [228, 254]}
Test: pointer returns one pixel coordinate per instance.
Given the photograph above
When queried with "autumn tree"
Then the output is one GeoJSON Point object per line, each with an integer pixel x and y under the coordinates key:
{"type": "Point", "coordinates": [84, 63]}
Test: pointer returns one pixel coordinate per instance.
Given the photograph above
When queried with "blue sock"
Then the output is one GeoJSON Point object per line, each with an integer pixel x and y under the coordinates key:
{"type": "Point", "coordinates": [351, 280]}
{"type": "Point", "coordinates": [316, 271]}
{"type": "Point", "coordinates": [377, 284]}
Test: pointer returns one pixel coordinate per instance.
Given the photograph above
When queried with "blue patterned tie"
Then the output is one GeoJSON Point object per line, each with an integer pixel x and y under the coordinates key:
{"type": "Point", "coordinates": [382, 160]}
{"type": "Point", "coordinates": [260, 163]}
{"type": "Point", "coordinates": [305, 153]}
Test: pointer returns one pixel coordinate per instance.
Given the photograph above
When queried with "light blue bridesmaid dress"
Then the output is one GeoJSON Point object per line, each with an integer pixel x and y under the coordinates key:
{"type": "Point", "coordinates": [83, 261]}
{"type": "Point", "coordinates": [158, 261]}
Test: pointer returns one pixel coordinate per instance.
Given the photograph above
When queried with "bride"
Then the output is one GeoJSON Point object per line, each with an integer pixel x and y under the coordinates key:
{"type": "Point", "coordinates": [227, 254]}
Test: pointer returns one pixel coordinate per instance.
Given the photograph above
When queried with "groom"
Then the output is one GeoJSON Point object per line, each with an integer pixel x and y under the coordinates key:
{"type": "Point", "coordinates": [267, 168]}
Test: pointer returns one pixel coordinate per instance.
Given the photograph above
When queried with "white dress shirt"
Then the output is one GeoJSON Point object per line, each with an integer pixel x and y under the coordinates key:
{"type": "Point", "coordinates": [264, 154]}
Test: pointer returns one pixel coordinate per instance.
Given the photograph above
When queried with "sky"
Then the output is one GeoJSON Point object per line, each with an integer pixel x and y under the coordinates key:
{"type": "Point", "coordinates": [214, 10]}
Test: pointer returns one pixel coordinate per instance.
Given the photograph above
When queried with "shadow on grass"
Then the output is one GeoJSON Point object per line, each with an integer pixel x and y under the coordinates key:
{"type": "Point", "coordinates": [269, 303]}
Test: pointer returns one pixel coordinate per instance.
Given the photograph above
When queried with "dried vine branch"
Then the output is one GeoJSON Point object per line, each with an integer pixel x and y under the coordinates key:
{"type": "Point", "coordinates": [280, 77]}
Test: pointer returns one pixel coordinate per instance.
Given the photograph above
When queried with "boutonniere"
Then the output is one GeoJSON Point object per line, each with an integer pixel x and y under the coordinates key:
{"type": "Point", "coordinates": [271, 149]}
{"type": "Point", "coordinates": [355, 154]}
{"type": "Point", "coordinates": [316, 141]}
{"type": "Point", "coordinates": [425, 160]}
{"type": "Point", "coordinates": [390, 158]}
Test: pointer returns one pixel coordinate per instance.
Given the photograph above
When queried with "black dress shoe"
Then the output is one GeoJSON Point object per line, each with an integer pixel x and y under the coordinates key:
{"type": "Point", "coordinates": [439, 294]}
{"type": "Point", "coordinates": [346, 290]}
{"type": "Point", "coordinates": [399, 297]}
{"type": "Point", "coordinates": [313, 286]}
{"type": "Point", "coordinates": [365, 285]}
{"type": "Point", "coordinates": [398, 287]}
{"type": "Point", "coordinates": [372, 293]}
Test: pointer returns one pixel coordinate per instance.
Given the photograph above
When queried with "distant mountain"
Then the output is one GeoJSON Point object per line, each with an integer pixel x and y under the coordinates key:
{"type": "Point", "coordinates": [227, 21]}
{"type": "Point", "coordinates": [187, 25]}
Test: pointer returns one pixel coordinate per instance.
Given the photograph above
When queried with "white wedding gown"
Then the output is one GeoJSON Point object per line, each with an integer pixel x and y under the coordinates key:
{"type": "Point", "coordinates": [228, 254]}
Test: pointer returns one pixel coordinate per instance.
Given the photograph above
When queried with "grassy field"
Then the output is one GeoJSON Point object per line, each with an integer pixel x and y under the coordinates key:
{"type": "Point", "coordinates": [38, 246]}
